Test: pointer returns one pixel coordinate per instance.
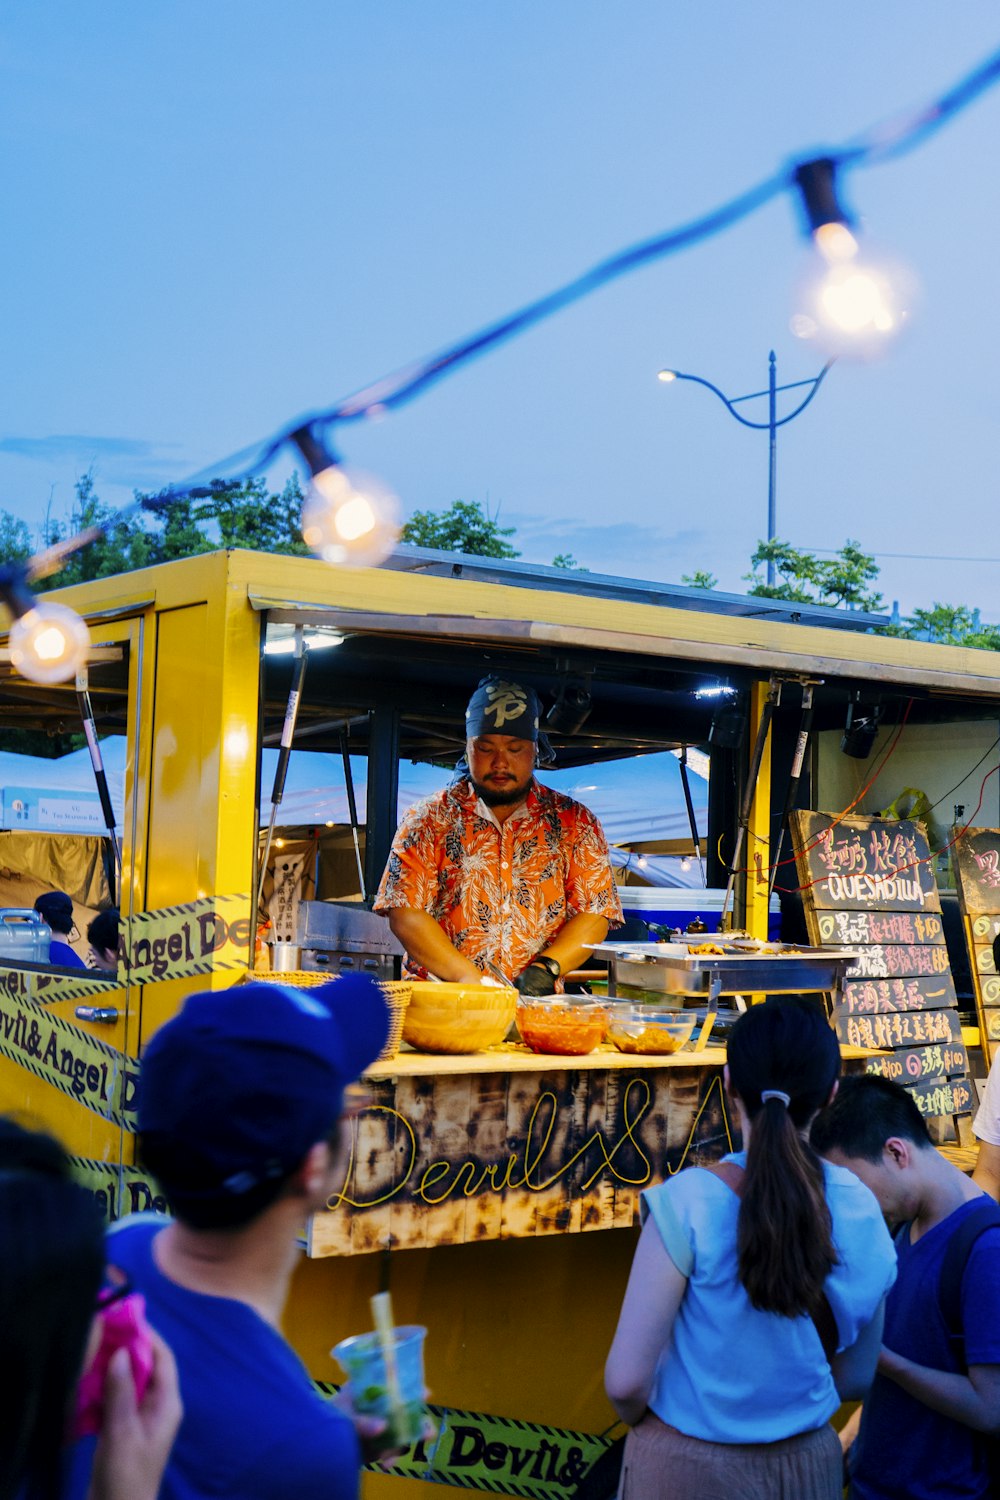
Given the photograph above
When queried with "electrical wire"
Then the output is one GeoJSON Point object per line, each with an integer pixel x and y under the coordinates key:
{"type": "Point", "coordinates": [882, 757]}
{"type": "Point", "coordinates": [882, 142]}
{"type": "Point", "coordinates": [965, 778]}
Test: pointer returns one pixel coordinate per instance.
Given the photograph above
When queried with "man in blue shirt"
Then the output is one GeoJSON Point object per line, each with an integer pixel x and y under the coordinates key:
{"type": "Point", "coordinates": [241, 1099]}
{"type": "Point", "coordinates": [928, 1422]}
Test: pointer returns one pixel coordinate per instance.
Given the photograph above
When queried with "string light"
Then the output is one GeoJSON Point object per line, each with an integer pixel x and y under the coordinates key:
{"type": "Point", "coordinates": [348, 518]}
{"type": "Point", "coordinates": [849, 301]}
{"type": "Point", "coordinates": [48, 641]}
{"type": "Point", "coordinates": [353, 522]}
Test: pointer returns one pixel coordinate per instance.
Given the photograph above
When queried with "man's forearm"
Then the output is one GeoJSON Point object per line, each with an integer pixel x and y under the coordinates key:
{"type": "Point", "coordinates": [952, 1395]}
{"type": "Point", "coordinates": [572, 942]}
{"type": "Point", "coordinates": [426, 943]}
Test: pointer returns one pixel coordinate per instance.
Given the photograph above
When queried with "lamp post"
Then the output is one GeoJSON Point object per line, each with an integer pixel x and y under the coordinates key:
{"type": "Point", "coordinates": [770, 426]}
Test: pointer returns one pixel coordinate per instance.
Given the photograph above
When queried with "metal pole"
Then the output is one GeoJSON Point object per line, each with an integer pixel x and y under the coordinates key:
{"type": "Point", "coordinates": [352, 809]}
{"type": "Point", "coordinates": [772, 466]}
{"type": "Point", "coordinates": [692, 820]}
{"type": "Point", "coordinates": [771, 703]}
{"type": "Point", "coordinates": [795, 776]}
{"type": "Point", "coordinates": [100, 776]}
{"type": "Point", "coordinates": [285, 749]}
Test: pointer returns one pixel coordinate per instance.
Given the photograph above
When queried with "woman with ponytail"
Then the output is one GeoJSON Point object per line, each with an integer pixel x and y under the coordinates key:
{"type": "Point", "coordinates": [754, 1306]}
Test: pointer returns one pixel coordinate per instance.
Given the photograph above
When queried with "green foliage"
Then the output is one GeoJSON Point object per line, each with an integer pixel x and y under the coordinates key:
{"type": "Point", "coordinates": [464, 527]}
{"type": "Point", "coordinates": [948, 625]}
{"type": "Point", "coordinates": [700, 579]}
{"type": "Point", "coordinates": [804, 579]}
{"type": "Point", "coordinates": [240, 514]}
{"type": "Point", "coordinates": [567, 560]}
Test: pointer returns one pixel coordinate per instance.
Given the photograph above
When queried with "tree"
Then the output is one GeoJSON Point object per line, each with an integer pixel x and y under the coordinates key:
{"type": "Point", "coordinates": [464, 527]}
{"type": "Point", "coordinates": [700, 579]}
{"type": "Point", "coordinates": [948, 625]}
{"type": "Point", "coordinates": [567, 560]}
{"type": "Point", "coordinates": [804, 579]}
{"type": "Point", "coordinates": [233, 514]}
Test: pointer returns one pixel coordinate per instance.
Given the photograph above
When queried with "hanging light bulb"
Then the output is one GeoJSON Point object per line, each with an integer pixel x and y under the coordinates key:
{"type": "Point", "coordinates": [49, 642]}
{"type": "Point", "coordinates": [348, 518]}
{"type": "Point", "coordinates": [850, 300]}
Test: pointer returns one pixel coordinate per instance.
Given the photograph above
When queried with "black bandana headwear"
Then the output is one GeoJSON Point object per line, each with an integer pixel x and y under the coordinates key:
{"type": "Point", "coordinates": [502, 707]}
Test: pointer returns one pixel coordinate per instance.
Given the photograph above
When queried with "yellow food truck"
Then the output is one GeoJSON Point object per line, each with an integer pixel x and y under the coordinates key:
{"type": "Point", "coordinates": [494, 1193]}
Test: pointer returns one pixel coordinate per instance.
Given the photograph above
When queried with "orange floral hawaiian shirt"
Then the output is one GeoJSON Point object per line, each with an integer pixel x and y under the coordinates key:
{"type": "Point", "coordinates": [500, 891]}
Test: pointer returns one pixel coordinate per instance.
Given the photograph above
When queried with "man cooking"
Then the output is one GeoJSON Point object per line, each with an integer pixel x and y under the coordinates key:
{"type": "Point", "coordinates": [499, 876]}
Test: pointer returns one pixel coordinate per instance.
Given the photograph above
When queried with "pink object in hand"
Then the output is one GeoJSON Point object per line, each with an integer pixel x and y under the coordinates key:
{"type": "Point", "coordinates": [123, 1326]}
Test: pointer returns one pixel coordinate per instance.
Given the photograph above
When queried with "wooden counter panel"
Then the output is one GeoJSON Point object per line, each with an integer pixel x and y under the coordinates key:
{"type": "Point", "coordinates": [462, 1150]}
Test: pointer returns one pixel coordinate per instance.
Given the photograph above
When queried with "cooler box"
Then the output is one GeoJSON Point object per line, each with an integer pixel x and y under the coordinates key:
{"type": "Point", "coordinates": [676, 907]}
{"type": "Point", "coordinates": [24, 935]}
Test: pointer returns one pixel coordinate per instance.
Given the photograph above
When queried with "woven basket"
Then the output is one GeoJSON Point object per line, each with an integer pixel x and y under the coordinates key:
{"type": "Point", "coordinates": [396, 992]}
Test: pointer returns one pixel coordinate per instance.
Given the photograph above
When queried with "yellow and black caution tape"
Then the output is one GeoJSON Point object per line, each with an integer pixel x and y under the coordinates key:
{"type": "Point", "coordinates": [503, 1455]}
{"type": "Point", "coordinates": [119, 1189]}
{"type": "Point", "coordinates": [181, 942]}
{"type": "Point", "coordinates": [69, 1058]}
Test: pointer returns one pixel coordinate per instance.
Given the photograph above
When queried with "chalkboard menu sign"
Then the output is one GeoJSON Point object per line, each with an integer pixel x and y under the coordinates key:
{"type": "Point", "coordinates": [976, 856]}
{"type": "Point", "coordinates": [869, 884]}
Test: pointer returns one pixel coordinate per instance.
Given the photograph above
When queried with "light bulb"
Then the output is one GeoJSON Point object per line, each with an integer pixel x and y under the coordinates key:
{"type": "Point", "coordinates": [851, 301]}
{"type": "Point", "coordinates": [350, 519]}
{"type": "Point", "coordinates": [666, 376]}
{"type": "Point", "coordinates": [49, 642]}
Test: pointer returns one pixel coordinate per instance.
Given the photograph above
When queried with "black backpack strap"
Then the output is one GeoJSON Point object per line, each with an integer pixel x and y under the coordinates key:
{"type": "Point", "coordinates": [822, 1314]}
{"type": "Point", "coordinates": [985, 1215]}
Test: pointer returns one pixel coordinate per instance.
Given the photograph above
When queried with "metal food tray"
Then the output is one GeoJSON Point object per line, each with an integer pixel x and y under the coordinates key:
{"type": "Point", "coordinates": [670, 969]}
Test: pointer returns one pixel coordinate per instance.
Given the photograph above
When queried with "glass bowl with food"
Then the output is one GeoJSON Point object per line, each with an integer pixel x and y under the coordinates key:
{"type": "Point", "coordinates": [650, 1029]}
{"type": "Point", "coordinates": [562, 1025]}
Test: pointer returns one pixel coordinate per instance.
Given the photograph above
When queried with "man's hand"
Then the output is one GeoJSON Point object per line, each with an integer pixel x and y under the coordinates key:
{"type": "Point", "coordinates": [535, 980]}
{"type": "Point", "coordinates": [373, 1432]}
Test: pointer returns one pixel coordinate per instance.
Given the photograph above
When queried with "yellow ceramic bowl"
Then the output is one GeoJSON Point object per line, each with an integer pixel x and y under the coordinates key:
{"type": "Point", "coordinates": [457, 1017]}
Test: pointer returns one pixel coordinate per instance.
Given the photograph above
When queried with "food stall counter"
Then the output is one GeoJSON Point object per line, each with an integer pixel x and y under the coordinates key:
{"type": "Point", "coordinates": [507, 1144]}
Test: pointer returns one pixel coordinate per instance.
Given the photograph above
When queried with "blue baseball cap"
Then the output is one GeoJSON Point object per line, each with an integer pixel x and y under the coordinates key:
{"type": "Point", "coordinates": [250, 1077]}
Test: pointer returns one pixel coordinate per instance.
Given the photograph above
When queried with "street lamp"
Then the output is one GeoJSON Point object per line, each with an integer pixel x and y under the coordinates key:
{"type": "Point", "coordinates": [770, 426]}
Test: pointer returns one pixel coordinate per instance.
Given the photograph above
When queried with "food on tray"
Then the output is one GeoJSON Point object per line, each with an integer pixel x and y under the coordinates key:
{"type": "Point", "coordinates": [699, 948]}
{"type": "Point", "coordinates": [562, 1027]}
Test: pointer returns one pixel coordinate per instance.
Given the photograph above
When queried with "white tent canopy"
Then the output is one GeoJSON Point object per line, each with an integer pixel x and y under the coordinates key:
{"type": "Point", "coordinates": [639, 801]}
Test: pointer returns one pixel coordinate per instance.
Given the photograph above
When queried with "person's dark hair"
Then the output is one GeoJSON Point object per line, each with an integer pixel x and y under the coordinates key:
{"type": "Point", "coordinates": [102, 932]}
{"type": "Point", "coordinates": [191, 1185]}
{"type": "Point", "coordinates": [867, 1111]}
{"type": "Point", "coordinates": [51, 1268]}
{"type": "Point", "coordinates": [784, 1238]}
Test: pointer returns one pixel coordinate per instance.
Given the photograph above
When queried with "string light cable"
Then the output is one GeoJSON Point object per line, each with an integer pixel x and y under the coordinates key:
{"type": "Point", "coordinates": [353, 521]}
{"type": "Point", "coordinates": [882, 759]}
{"type": "Point", "coordinates": [925, 859]}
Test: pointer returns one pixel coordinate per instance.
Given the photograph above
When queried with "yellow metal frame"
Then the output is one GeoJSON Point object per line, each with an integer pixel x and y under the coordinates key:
{"type": "Point", "coordinates": [540, 1307]}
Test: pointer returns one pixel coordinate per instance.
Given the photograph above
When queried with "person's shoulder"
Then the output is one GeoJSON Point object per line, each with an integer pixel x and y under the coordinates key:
{"type": "Point", "coordinates": [135, 1229]}
{"type": "Point", "coordinates": [434, 807]}
{"type": "Point", "coordinates": [559, 802]}
{"type": "Point", "coordinates": [129, 1243]}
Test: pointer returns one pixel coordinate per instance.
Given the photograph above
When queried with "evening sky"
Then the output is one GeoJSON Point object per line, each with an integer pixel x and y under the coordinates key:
{"type": "Point", "coordinates": [225, 214]}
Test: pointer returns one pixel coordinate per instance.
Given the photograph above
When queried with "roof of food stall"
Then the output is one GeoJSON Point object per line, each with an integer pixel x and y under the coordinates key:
{"type": "Point", "coordinates": [418, 634]}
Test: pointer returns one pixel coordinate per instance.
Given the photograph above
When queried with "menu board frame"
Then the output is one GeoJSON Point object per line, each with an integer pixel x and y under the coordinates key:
{"type": "Point", "coordinates": [976, 861]}
{"type": "Point", "coordinates": [869, 883]}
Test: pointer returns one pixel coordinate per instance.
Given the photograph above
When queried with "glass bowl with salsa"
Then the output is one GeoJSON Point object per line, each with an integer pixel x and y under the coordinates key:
{"type": "Point", "coordinates": [561, 1025]}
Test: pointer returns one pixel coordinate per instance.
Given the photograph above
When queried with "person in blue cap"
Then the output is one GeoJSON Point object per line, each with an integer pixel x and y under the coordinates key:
{"type": "Point", "coordinates": [240, 1118]}
{"type": "Point", "coordinates": [56, 910]}
{"type": "Point", "coordinates": [498, 875]}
